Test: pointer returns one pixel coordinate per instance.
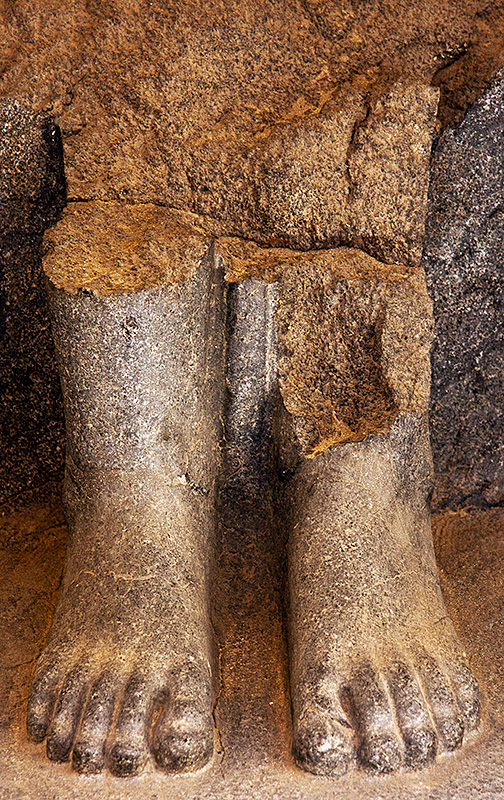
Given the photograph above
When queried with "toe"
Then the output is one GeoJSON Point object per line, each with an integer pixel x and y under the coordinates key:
{"type": "Point", "coordinates": [380, 749]}
{"type": "Point", "coordinates": [465, 688]}
{"type": "Point", "coordinates": [128, 750]}
{"type": "Point", "coordinates": [69, 706]}
{"type": "Point", "coordinates": [420, 746]}
{"type": "Point", "coordinates": [443, 706]}
{"type": "Point", "coordinates": [380, 753]}
{"type": "Point", "coordinates": [322, 742]}
{"type": "Point", "coordinates": [412, 717]}
{"type": "Point", "coordinates": [183, 738]}
{"type": "Point", "coordinates": [88, 755]}
{"type": "Point", "coordinates": [43, 695]}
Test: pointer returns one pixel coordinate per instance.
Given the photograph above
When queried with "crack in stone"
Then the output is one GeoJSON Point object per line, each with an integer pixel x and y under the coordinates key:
{"type": "Point", "coordinates": [359, 124]}
{"type": "Point", "coordinates": [220, 648]}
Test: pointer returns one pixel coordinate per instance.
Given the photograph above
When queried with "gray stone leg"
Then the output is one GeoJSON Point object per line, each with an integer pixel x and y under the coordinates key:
{"type": "Point", "coordinates": [128, 670]}
{"type": "Point", "coordinates": [378, 676]}
{"type": "Point", "coordinates": [379, 679]}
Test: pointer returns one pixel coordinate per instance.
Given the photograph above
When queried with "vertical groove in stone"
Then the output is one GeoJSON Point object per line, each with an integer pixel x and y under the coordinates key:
{"type": "Point", "coordinates": [251, 383]}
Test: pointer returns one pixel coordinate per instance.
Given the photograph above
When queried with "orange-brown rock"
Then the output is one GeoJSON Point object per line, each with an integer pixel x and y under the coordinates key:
{"type": "Point", "coordinates": [354, 338]}
{"type": "Point", "coordinates": [115, 248]}
{"type": "Point", "coordinates": [299, 124]}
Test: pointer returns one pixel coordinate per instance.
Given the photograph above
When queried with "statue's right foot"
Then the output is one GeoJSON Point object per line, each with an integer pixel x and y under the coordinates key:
{"type": "Point", "coordinates": [127, 671]}
{"type": "Point", "coordinates": [126, 674]}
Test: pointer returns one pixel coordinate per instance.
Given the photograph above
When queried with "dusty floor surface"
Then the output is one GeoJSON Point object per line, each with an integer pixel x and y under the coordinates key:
{"type": "Point", "coordinates": [253, 750]}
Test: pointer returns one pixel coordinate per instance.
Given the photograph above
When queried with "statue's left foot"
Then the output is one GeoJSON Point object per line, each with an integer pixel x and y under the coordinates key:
{"type": "Point", "coordinates": [379, 676]}
{"type": "Point", "coordinates": [390, 706]}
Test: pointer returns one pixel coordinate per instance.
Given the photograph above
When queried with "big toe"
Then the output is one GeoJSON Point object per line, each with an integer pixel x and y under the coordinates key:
{"type": "Point", "coordinates": [444, 709]}
{"type": "Point", "coordinates": [322, 748]}
{"type": "Point", "coordinates": [183, 739]}
{"type": "Point", "coordinates": [322, 744]}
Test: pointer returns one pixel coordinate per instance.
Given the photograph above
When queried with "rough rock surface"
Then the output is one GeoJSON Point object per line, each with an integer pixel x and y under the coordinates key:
{"type": "Point", "coordinates": [293, 127]}
{"type": "Point", "coordinates": [463, 260]}
{"type": "Point", "coordinates": [354, 336]}
{"type": "Point", "coordinates": [353, 339]}
{"type": "Point", "coordinates": [32, 193]}
{"type": "Point", "coordinates": [353, 333]}
{"type": "Point", "coordinates": [212, 108]}
{"type": "Point", "coordinates": [117, 248]}
{"type": "Point", "coordinates": [351, 174]}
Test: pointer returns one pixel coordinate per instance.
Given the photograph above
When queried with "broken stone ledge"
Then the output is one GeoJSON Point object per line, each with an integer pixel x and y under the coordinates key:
{"type": "Point", "coordinates": [353, 334]}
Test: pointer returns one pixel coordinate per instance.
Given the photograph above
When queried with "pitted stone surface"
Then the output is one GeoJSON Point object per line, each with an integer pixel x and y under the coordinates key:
{"type": "Point", "coordinates": [387, 173]}
{"type": "Point", "coordinates": [32, 194]}
{"type": "Point", "coordinates": [463, 260]}
{"type": "Point", "coordinates": [207, 108]}
{"type": "Point", "coordinates": [353, 338]}
{"type": "Point", "coordinates": [254, 707]}
{"type": "Point", "coordinates": [32, 184]}
{"type": "Point", "coordinates": [250, 116]}
{"type": "Point", "coordinates": [129, 153]}
{"type": "Point", "coordinates": [119, 248]}
{"type": "Point", "coordinates": [353, 174]}
{"type": "Point", "coordinates": [129, 671]}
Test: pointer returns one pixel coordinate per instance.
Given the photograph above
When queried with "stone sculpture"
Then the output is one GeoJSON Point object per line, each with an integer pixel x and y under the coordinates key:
{"type": "Point", "coordinates": [326, 201]}
{"type": "Point", "coordinates": [143, 382]}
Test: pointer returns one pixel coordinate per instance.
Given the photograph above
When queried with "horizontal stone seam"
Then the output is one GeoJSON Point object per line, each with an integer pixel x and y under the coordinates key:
{"type": "Point", "coordinates": [215, 237]}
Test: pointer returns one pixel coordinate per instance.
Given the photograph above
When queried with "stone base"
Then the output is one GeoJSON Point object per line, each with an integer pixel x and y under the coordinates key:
{"type": "Point", "coordinates": [253, 756]}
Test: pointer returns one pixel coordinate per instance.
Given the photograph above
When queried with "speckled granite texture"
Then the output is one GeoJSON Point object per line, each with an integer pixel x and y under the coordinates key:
{"type": "Point", "coordinates": [253, 712]}
{"type": "Point", "coordinates": [317, 135]}
{"type": "Point", "coordinates": [463, 259]}
{"type": "Point", "coordinates": [141, 128]}
{"type": "Point", "coordinates": [32, 194]}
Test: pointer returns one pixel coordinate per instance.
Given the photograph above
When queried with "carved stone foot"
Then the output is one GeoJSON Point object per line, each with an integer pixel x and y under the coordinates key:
{"type": "Point", "coordinates": [379, 676]}
{"type": "Point", "coordinates": [379, 679]}
{"type": "Point", "coordinates": [128, 671]}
